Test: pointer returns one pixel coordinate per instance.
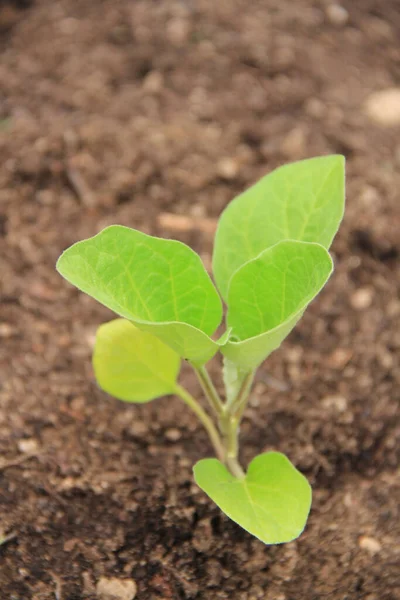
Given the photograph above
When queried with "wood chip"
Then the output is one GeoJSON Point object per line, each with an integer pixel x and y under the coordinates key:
{"type": "Point", "coordinates": [183, 223]}
{"type": "Point", "coordinates": [80, 187]}
{"type": "Point", "coordinates": [116, 589]}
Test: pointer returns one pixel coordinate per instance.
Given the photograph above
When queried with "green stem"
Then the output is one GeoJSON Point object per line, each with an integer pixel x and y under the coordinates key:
{"type": "Point", "coordinates": [229, 421]}
{"type": "Point", "coordinates": [205, 420]}
{"type": "Point", "coordinates": [235, 468]}
{"type": "Point", "coordinates": [240, 402]}
{"type": "Point", "coordinates": [230, 431]}
{"type": "Point", "coordinates": [209, 390]}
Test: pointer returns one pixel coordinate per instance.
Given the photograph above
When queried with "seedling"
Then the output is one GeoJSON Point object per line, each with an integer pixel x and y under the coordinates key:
{"type": "Point", "coordinates": [270, 260]}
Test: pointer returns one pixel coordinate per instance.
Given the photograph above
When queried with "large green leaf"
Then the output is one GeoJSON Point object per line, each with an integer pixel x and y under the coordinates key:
{"type": "Point", "coordinates": [268, 295]}
{"type": "Point", "coordinates": [133, 365]}
{"type": "Point", "coordinates": [160, 285]}
{"type": "Point", "coordinates": [271, 502]}
{"type": "Point", "coordinates": [300, 201]}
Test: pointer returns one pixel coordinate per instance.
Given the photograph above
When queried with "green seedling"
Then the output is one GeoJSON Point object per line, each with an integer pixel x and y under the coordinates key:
{"type": "Point", "coordinates": [270, 260]}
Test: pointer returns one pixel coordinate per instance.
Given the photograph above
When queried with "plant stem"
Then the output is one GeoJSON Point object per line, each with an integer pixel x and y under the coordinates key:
{"type": "Point", "coordinates": [209, 390]}
{"type": "Point", "coordinates": [229, 422]}
{"type": "Point", "coordinates": [205, 420]}
{"type": "Point", "coordinates": [229, 416]}
{"type": "Point", "coordinates": [240, 402]}
{"type": "Point", "coordinates": [235, 468]}
{"type": "Point", "coordinates": [230, 431]}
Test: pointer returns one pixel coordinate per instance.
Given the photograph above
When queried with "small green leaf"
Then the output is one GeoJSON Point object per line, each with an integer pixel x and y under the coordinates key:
{"type": "Point", "coordinates": [133, 365]}
{"type": "Point", "coordinates": [271, 502]}
{"type": "Point", "coordinates": [301, 201]}
{"type": "Point", "coordinates": [160, 285]}
{"type": "Point", "coordinates": [268, 295]}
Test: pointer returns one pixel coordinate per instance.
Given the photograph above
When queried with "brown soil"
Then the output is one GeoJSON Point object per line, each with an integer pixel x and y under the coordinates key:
{"type": "Point", "coordinates": [116, 111]}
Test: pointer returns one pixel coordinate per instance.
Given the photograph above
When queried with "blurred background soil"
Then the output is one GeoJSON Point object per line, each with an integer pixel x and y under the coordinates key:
{"type": "Point", "coordinates": [154, 114]}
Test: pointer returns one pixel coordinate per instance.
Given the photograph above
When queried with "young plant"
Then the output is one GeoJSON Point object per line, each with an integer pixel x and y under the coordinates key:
{"type": "Point", "coordinates": [270, 260]}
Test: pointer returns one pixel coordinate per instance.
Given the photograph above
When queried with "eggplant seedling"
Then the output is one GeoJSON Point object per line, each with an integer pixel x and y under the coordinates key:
{"type": "Point", "coordinates": [270, 260]}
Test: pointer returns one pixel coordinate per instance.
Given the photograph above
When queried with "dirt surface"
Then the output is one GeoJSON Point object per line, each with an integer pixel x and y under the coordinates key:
{"type": "Point", "coordinates": [118, 111]}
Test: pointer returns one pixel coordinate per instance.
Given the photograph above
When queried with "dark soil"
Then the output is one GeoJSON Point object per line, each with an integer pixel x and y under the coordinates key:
{"type": "Point", "coordinates": [118, 111]}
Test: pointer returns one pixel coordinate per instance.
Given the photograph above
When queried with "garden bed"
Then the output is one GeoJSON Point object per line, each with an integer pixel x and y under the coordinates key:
{"type": "Point", "coordinates": [154, 115]}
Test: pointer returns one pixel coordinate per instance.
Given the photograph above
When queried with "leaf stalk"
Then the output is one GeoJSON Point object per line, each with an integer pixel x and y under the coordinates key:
{"type": "Point", "coordinates": [209, 390]}
{"type": "Point", "coordinates": [205, 420]}
{"type": "Point", "coordinates": [229, 414]}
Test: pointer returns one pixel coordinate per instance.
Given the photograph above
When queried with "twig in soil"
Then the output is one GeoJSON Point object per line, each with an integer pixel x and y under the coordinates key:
{"type": "Point", "coordinates": [8, 538]}
{"type": "Point", "coordinates": [58, 588]}
{"type": "Point", "coordinates": [18, 461]}
{"type": "Point", "coordinates": [80, 187]}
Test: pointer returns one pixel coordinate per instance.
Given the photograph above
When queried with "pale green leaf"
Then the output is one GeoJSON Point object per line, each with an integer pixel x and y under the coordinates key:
{"type": "Point", "coordinates": [133, 365]}
{"type": "Point", "coordinates": [160, 285]}
{"type": "Point", "coordinates": [249, 354]}
{"type": "Point", "coordinates": [272, 501]}
{"type": "Point", "coordinates": [188, 341]}
{"type": "Point", "coordinates": [301, 201]}
{"type": "Point", "coordinates": [268, 295]}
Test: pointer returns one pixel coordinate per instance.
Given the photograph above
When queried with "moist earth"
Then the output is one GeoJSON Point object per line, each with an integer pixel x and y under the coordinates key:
{"type": "Point", "coordinates": [154, 114]}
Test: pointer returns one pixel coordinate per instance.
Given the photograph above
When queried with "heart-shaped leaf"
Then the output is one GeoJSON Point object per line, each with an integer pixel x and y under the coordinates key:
{"type": "Point", "coordinates": [133, 365]}
{"type": "Point", "coordinates": [268, 295]}
{"type": "Point", "coordinates": [160, 285]}
{"type": "Point", "coordinates": [271, 502]}
{"type": "Point", "coordinates": [301, 201]}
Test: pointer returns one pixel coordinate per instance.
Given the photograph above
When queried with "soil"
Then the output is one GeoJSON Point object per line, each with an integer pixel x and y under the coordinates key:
{"type": "Point", "coordinates": [141, 112]}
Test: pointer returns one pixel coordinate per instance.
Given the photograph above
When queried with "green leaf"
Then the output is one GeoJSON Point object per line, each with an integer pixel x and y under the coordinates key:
{"type": "Point", "coordinates": [301, 201]}
{"type": "Point", "coordinates": [133, 365]}
{"type": "Point", "coordinates": [268, 295]}
{"type": "Point", "coordinates": [189, 342]}
{"type": "Point", "coordinates": [249, 354]}
{"type": "Point", "coordinates": [160, 285]}
{"type": "Point", "coordinates": [271, 502]}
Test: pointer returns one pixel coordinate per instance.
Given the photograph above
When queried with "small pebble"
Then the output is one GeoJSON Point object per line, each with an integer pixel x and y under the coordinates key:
{"type": "Point", "coordinates": [362, 298]}
{"type": "Point", "coordinates": [337, 14]}
{"type": "Point", "coordinates": [138, 428]}
{"type": "Point", "coordinates": [369, 196]}
{"type": "Point", "coordinates": [40, 290]}
{"type": "Point", "coordinates": [29, 446]}
{"type": "Point", "coordinates": [348, 500]}
{"type": "Point", "coordinates": [294, 143]}
{"type": "Point", "coordinates": [315, 108]}
{"type": "Point", "coordinates": [6, 330]}
{"type": "Point", "coordinates": [115, 589]}
{"type": "Point", "coordinates": [339, 358]}
{"type": "Point", "coordinates": [173, 435]}
{"type": "Point", "coordinates": [178, 31]}
{"type": "Point", "coordinates": [337, 402]}
{"type": "Point", "coordinates": [90, 336]}
{"type": "Point", "coordinates": [227, 168]}
{"type": "Point", "coordinates": [154, 82]}
{"type": "Point", "coordinates": [383, 107]}
{"type": "Point", "coordinates": [70, 544]}
{"type": "Point", "coordinates": [369, 544]}
{"type": "Point", "coordinates": [386, 359]}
